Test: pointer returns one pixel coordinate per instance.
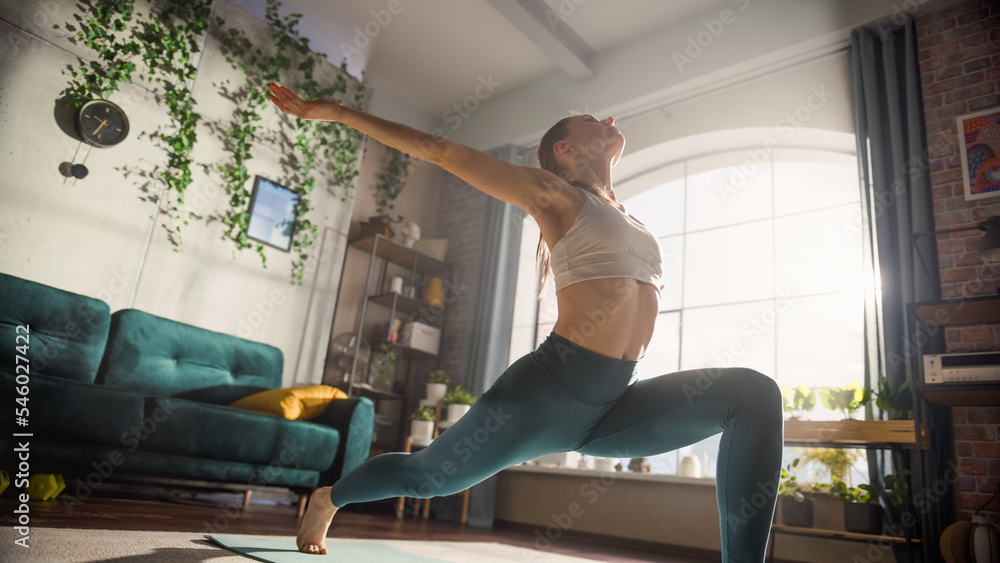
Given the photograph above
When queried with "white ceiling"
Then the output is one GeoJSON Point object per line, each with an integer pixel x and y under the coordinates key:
{"type": "Point", "coordinates": [435, 53]}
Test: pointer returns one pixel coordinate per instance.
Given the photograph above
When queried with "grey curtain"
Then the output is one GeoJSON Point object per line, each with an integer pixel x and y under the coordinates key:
{"type": "Point", "coordinates": [487, 345]}
{"type": "Point", "coordinates": [894, 167]}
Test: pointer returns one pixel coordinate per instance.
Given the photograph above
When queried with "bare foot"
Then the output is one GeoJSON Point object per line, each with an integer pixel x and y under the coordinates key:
{"type": "Point", "coordinates": [316, 522]}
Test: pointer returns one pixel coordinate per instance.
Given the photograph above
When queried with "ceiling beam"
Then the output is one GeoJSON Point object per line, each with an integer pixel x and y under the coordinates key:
{"type": "Point", "coordinates": [547, 29]}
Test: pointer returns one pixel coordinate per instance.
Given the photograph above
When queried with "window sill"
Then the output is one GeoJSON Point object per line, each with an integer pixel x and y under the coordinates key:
{"type": "Point", "coordinates": [618, 475]}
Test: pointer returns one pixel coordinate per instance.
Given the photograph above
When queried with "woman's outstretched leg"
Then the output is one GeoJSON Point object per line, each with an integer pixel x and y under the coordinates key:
{"type": "Point", "coordinates": [543, 403]}
{"type": "Point", "coordinates": [672, 411]}
{"type": "Point", "coordinates": [316, 522]}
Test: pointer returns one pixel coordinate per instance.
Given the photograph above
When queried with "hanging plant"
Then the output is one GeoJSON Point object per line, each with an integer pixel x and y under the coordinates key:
{"type": "Point", "coordinates": [390, 184]}
{"type": "Point", "coordinates": [167, 42]}
{"type": "Point", "coordinates": [338, 145]}
{"type": "Point", "coordinates": [102, 31]}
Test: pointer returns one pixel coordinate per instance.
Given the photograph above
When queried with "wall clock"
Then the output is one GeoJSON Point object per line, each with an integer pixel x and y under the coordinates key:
{"type": "Point", "coordinates": [101, 123]}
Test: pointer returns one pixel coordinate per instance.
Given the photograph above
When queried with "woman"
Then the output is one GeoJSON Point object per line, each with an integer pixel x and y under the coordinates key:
{"type": "Point", "coordinates": [575, 392]}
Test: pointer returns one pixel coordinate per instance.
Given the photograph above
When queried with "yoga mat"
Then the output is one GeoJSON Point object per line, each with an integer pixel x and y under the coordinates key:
{"type": "Point", "coordinates": [285, 551]}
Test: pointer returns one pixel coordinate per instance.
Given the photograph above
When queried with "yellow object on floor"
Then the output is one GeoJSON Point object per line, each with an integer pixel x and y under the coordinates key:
{"type": "Point", "coordinates": [4, 481]}
{"type": "Point", "coordinates": [45, 486]}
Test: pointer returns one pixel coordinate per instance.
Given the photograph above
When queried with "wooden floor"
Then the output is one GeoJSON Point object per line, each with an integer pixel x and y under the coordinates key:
{"type": "Point", "coordinates": [142, 508]}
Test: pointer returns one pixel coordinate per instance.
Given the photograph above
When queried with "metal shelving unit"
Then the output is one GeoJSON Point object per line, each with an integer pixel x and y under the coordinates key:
{"type": "Point", "coordinates": [382, 248]}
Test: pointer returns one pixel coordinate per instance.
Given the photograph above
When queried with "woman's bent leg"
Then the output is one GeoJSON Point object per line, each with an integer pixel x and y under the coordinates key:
{"type": "Point", "coordinates": [672, 411]}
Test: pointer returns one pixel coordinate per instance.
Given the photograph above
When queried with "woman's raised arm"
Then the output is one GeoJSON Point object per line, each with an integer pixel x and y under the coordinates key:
{"type": "Point", "coordinates": [508, 182]}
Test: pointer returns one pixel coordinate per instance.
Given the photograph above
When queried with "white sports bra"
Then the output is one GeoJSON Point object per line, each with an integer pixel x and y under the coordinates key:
{"type": "Point", "coordinates": [603, 242]}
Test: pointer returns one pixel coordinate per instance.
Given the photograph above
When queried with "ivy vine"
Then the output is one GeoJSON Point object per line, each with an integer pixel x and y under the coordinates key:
{"type": "Point", "coordinates": [170, 41]}
{"type": "Point", "coordinates": [338, 145]}
{"type": "Point", "coordinates": [167, 41]}
{"type": "Point", "coordinates": [102, 32]}
{"type": "Point", "coordinates": [390, 183]}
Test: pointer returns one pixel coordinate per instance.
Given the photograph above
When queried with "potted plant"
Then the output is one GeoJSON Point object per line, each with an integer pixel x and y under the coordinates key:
{"type": "Point", "coordinates": [895, 402]}
{"type": "Point", "coordinates": [796, 509]}
{"type": "Point", "coordinates": [846, 400]}
{"type": "Point", "coordinates": [411, 287]}
{"type": "Point", "coordinates": [390, 184]}
{"type": "Point", "coordinates": [862, 511]}
{"type": "Point", "coordinates": [422, 425]}
{"type": "Point", "coordinates": [437, 385]}
{"type": "Point", "coordinates": [798, 401]}
{"type": "Point", "coordinates": [837, 460]}
{"type": "Point", "coordinates": [384, 366]}
{"type": "Point", "coordinates": [896, 488]}
{"type": "Point", "coordinates": [459, 402]}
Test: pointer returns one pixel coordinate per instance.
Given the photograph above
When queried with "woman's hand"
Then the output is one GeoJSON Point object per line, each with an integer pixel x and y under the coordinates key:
{"type": "Point", "coordinates": [290, 103]}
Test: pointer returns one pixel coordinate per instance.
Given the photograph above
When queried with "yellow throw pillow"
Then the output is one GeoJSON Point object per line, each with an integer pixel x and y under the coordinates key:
{"type": "Point", "coordinates": [293, 403]}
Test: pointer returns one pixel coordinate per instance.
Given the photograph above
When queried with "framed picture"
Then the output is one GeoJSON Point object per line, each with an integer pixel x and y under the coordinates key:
{"type": "Point", "coordinates": [979, 143]}
{"type": "Point", "coordinates": [272, 214]}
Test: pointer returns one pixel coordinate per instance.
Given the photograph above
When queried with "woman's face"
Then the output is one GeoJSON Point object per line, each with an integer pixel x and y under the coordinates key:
{"type": "Point", "coordinates": [595, 138]}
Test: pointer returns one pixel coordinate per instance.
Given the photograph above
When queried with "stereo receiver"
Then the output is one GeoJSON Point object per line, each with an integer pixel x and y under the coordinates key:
{"type": "Point", "coordinates": [968, 367]}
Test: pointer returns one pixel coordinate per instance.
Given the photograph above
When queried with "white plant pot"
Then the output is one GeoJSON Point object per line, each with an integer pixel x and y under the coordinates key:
{"type": "Point", "coordinates": [436, 392]}
{"type": "Point", "coordinates": [456, 412]}
{"type": "Point", "coordinates": [421, 432]}
{"type": "Point", "coordinates": [605, 464]}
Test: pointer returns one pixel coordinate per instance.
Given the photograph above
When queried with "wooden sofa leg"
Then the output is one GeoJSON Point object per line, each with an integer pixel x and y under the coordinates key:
{"type": "Point", "coordinates": [465, 507]}
{"type": "Point", "coordinates": [246, 499]}
{"type": "Point", "coordinates": [303, 498]}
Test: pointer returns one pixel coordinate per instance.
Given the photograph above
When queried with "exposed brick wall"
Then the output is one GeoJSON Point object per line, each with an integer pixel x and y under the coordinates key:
{"type": "Point", "coordinates": [460, 220]}
{"type": "Point", "coordinates": [977, 454]}
{"type": "Point", "coordinates": [960, 73]}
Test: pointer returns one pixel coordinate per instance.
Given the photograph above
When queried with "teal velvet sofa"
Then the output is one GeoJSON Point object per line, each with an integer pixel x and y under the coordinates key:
{"type": "Point", "coordinates": [133, 395]}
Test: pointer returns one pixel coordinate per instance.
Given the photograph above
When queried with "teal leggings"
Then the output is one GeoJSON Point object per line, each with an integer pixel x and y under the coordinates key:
{"type": "Point", "coordinates": [562, 397]}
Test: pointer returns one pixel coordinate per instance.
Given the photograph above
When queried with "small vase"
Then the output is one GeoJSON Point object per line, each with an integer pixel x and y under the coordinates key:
{"type": "Point", "coordinates": [434, 293]}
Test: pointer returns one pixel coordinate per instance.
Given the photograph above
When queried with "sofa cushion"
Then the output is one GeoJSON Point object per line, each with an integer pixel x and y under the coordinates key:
{"type": "Point", "coordinates": [66, 332]}
{"type": "Point", "coordinates": [81, 412]}
{"type": "Point", "coordinates": [195, 429]}
{"type": "Point", "coordinates": [159, 357]}
{"type": "Point", "coordinates": [293, 403]}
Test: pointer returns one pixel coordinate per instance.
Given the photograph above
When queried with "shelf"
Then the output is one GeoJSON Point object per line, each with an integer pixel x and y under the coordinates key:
{"type": "Point", "coordinates": [395, 252]}
{"type": "Point", "coordinates": [963, 395]}
{"type": "Point", "coordinates": [972, 311]}
{"type": "Point", "coordinates": [856, 433]}
{"type": "Point", "coordinates": [369, 391]}
{"type": "Point", "coordinates": [405, 305]}
{"type": "Point", "coordinates": [838, 534]}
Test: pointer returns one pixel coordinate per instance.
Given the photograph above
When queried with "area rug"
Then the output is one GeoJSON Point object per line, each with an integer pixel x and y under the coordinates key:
{"type": "Point", "coordinates": [66, 545]}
